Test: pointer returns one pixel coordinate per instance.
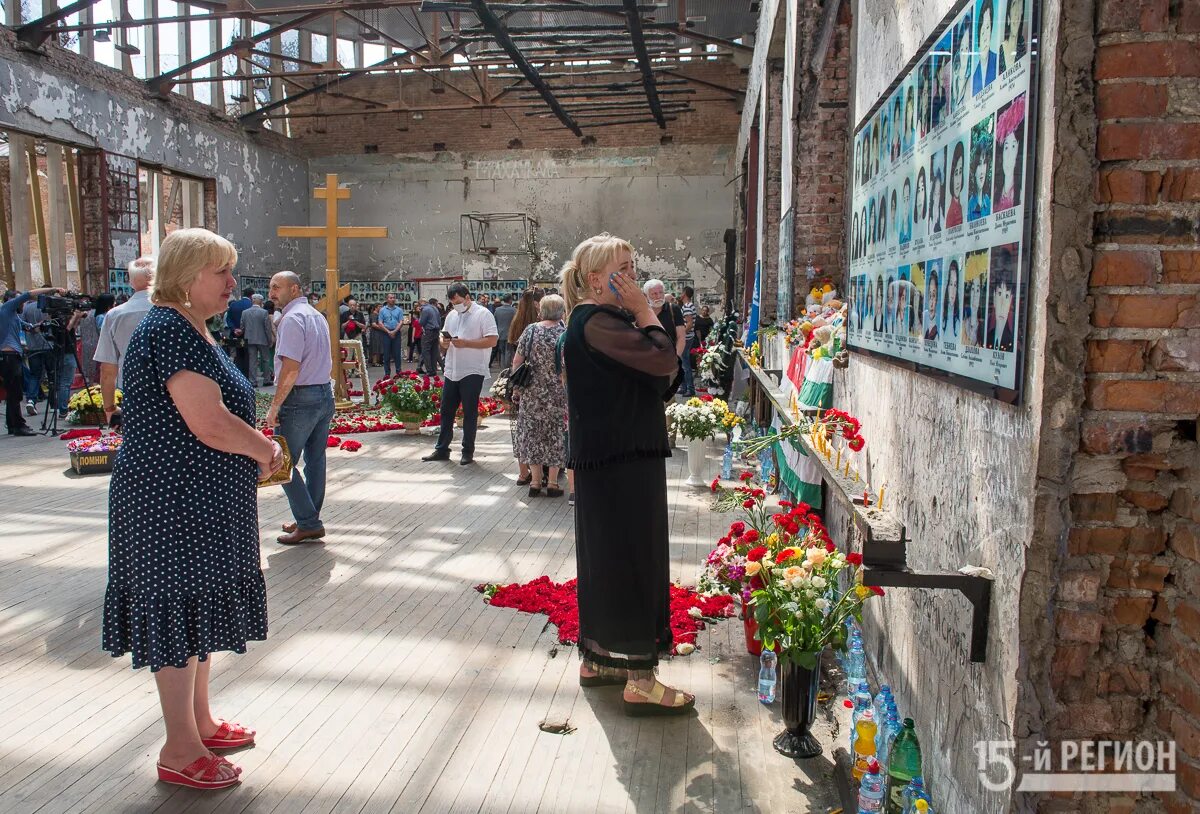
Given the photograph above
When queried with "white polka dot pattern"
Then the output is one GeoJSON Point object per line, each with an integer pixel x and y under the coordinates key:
{"type": "Point", "coordinates": [184, 577]}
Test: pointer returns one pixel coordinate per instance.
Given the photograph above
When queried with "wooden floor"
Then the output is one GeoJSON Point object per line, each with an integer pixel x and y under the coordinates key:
{"type": "Point", "coordinates": [386, 683]}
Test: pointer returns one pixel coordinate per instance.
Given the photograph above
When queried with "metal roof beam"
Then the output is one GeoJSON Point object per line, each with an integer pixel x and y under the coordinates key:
{"type": "Point", "coordinates": [35, 32]}
{"type": "Point", "coordinates": [634, 19]}
{"type": "Point", "coordinates": [493, 24]}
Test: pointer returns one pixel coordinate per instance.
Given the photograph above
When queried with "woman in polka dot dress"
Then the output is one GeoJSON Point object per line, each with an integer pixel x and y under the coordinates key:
{"type": "Point", "coordinates": [183, 574]}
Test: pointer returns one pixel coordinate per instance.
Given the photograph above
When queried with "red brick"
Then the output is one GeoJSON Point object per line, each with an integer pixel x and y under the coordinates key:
{"type": "Point", "coordinates": [1187, 619]}
{"type": "Point", "coordinates": [1113, 437]}
{"type": "Point", "coordinates": [1129, 186]}
{"type": "Point", "coordinates": [1131, 100]}
{"type": "Point", "coordinates": [1117, 356]}
{"type": "Point", "coordinates": [1176, 353]}
{"type": "Point", "coordinates": [1141, 227]}
{"type": "Point", "coordinates": [1094, 508]}
{"type": "Point", "coordinates": [1180, 268]}
{"type": "Point", "coordinates": [1150, 140]}
{"type": "Point", "coordinates": [1186, 542]}
{"type": "Point", "coordinates": [1071, 660]}
{"type": "Point", "coordinates": [1150, 501]}
{"type": "Point", "coordinates": [1079, 626]}
{"type": "Point", "coordinates": [1157, 396]}
{"type": "Point", "coordinates": [1133, 15]}
{"type": "Point", "coordinates": [1146, 311]}
{"type": "Point", "coordinates": [1125, 268]}
{"type": "Point", "coordinates": [1187, 734]}
{"type": "Point", "coordinates": [1124, 679]}
{"type": "Point", "coordinates": [1140, 575]}
{"type": "Point", "coordinates": [1144, 60]}
{"type": "Point", "coordinates": [1079, 586]}
{"type": "Point", "coordinates": [1180, 185]}
{"type": "Point", "coordinates": [1148, 540]}
{"type": "Point", "coordinates": [1182, 690]}
{"type": "Point", "coordinates": [1189, 18]}
{"type": "Point", "coordinates": [1108, 541]}
{"type": "Point", "coordinates": [1132, 611]}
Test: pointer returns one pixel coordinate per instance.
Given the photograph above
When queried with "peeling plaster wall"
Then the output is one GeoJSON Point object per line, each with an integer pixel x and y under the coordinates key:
{"type": "Point", "coordinates": [69, 99]}
{"type": "Point", "coordinates": [961, 473]}
{"type": "Point", "coordinates": [672, 203]}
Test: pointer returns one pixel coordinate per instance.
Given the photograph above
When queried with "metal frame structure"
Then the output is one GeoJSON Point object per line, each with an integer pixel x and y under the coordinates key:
{"type": "Point", "coordinates": [479, 225]}
{"type": "Point", "coordinates": [645, 41]}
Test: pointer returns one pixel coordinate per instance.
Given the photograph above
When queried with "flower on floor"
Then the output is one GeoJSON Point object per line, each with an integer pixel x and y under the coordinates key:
{"type": "Point", "coordinates": [351, 445]}
{"type": "Point", "coordinates": [333, 441]}
{"type": "Point", "coordinates": [95, 443]}
{"type": "Point", "coordinates": [688, 611]}
{"type": "Point", "coordinates": [90, 398]}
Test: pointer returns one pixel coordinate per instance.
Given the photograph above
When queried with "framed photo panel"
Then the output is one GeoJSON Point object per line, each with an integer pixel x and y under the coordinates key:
{"type": "Point", "coordinates": [941, 210]}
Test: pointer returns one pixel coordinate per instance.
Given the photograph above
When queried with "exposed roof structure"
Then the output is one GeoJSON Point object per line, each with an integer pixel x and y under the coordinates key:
{"type": "Point", "coordinates": [260, 58]}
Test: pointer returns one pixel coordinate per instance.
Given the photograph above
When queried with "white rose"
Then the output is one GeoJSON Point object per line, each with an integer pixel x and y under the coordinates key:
{"type": "Point", "coordinates": [695, 613]}
{"type": "Point", "coordinates": [818, 582]}
{"type": "Point", "coordinates": [685, 648]}
{"type": "Point", "coordinates": [822, 604]}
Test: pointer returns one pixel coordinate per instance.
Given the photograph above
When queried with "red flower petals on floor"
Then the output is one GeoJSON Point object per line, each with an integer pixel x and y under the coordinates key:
{"type": "Point", "coordinates": [333, 441]}
{"type": "Point", "coordinates": [351, 445]}
{"type": "Point", "coordinates": [70, 435]}
{"type": "Point", "coordinates": [558, 601]}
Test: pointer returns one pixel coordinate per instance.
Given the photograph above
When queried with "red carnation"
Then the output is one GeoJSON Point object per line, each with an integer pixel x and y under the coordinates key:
{"type": "Point", "coordinates": [748, 503]}
{"type": "Point", "coordinates": [793, 528]}
{"type": "Point", "coordinates": [854, 558]}
{"type": "Point", "coordinates": [801, 509]}
{"type": "Point", "coordinates": [736, 529]}
{"type": "Point", "coordinates": [724, 541]}
{"type": "Point", "coordinates": [830, 547]}
{"type": "Point", "coordinates": [780, 520]}
{"type": "Point", "coordinates": [756, 583]}
{"type": "Point", "coordinates": [875, 589]}
{"type": "Point", "coordinates": [757, 553]}
{"type": "Point", "coordinates": [759, 493]}
{"type": "Point", "coordinates": [715, 484]}
{"type": "Point", "coordinates": [785, 504]}
{"type": "Point", "coordinates": [745, 476]}
{"type": "Point", "coordinates": [785, 555]}
{"type": "Point", "coordinates": [857, 443]}
{"type": "Point", "coordinates": [751, 536]}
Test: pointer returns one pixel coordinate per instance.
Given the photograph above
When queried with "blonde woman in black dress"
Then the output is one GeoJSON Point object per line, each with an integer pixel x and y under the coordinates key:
{"type": "Point", "coordinates": [622, 367]}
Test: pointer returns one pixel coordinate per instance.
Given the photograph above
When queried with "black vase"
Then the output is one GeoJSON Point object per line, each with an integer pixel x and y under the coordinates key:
{"type": "Point", "coordinates": [798, 688]}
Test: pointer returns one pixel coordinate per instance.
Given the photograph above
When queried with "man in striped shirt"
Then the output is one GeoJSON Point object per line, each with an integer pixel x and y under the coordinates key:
{"type": "Point", "coordinates": [689, 334]}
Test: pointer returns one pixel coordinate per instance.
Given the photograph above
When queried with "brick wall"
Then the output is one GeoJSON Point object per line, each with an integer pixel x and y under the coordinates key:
{"type": "Point", "coordinates": [715, 120]}
{"type": "Point", "coordinates": [819, 197]}
{"type": "Point", "coordinates": [1127, 662]}
{"type": "Point", "coordinates": [771, 165]}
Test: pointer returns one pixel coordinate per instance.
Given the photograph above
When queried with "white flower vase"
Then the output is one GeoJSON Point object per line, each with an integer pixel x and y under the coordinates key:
{"type": "Point", "coordinates": [697, 448]}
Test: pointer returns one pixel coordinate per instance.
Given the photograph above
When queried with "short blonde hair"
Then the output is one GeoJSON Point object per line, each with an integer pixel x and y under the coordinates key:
{"type": "Point", "coordinates": [591, 255]}
{"type": "Point", "coordinates": [182, 256]}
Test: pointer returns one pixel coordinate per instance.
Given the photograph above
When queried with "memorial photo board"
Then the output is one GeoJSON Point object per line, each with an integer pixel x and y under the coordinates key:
{"type": "Point", "coordinates": [940, 223]}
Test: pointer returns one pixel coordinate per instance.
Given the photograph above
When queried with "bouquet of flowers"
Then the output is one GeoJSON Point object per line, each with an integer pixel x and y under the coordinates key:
{"type": "Point", "coordinates": [696, 419]}
{"type": "Point", "coordinates": [822, 428]}
{"type": "Point", "coordinates": [90, 398]}
{"type": "Point", "coordinates": [408, 394]}
{"type": "Point", "coordinates": [716, 364]}
{"type": "Point", "coordinates": [95, 443]}
{"type": "Point", "coordinates": [801, 588]}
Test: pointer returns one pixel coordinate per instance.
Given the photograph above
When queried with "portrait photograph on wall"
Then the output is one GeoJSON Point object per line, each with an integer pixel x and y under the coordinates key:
{"type": "Point", "coordinates": [940, 240]}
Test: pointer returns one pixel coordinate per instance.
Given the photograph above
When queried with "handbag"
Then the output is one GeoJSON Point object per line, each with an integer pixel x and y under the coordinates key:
{"type": "Point", "coordinates": [284, 473]}
{"type": "Point", "coordinates": [522, 375]}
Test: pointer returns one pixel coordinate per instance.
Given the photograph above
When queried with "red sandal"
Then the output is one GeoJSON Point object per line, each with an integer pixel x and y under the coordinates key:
{"type": "Point", "coordinates": [201, 773]}
{"type": "Point", "coordinates": [230, 736]}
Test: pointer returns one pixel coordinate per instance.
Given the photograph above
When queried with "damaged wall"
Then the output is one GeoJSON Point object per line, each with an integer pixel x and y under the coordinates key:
{"type": "Point", "coordinates": [261, 181]}
{"type": "Point", "coordinates": [671, 202]}
{"type": "Point", "coordinates": [974, 480]}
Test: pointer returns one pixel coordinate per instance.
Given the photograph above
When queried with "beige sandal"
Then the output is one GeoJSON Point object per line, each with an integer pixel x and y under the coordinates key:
{"type": "Point", "coordinates": [603, 677]}
{"type": "Point", "coordinates": [653, 705]}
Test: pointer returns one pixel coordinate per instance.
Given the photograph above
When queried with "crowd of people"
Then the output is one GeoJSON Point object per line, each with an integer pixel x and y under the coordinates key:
{"type": "Point", "coordinates": [599, 363]}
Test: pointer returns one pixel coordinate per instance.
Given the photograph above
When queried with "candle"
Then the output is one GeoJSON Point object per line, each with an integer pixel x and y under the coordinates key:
{"type": "Point", "coordinates": [866, 494]}
{"type": "Point", "coordinates": [856, 476]}
{"type": "Point", "coordinates": [839, 458]}
{"type": "Point", "coordinates": [881, 488]}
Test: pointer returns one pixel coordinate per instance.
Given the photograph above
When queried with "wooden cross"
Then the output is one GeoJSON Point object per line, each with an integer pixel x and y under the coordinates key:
{"type": "Point", "coordinates": [331, 193]}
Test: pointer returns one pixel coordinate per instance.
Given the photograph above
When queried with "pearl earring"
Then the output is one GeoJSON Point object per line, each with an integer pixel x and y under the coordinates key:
{"type": "Point", "coordinates": [187, 300]}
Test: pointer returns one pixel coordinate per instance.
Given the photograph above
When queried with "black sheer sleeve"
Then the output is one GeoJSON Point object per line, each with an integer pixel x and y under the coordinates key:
{"type": "Point", "coordinates": [647, 351]}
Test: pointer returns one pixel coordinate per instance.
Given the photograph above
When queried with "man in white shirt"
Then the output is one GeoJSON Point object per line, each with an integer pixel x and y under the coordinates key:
{"type": "Point", "coordinates": [467, 340]}
{"type": "Point", "coordinates": [115, 333]}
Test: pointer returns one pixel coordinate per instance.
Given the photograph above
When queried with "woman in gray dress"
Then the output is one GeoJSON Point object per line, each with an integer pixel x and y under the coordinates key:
{"type": "Point", "coordinates": [543, 403]}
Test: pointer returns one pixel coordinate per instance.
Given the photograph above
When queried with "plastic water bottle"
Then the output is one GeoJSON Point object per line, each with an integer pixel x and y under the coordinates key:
{"type": "Point", "coordinates": [904, 763]}
{"type": "Point", "coordinates": [879, 705]}
{"type": "Point", "coordinates": [864, 744]}
{"type": "Point", "coordinates": [870, 791]}
{"type": "Point", "coordinates": [891, 728]}
{"type": "Point", "coordinates": [856, 666]}
{"type": "Point", "coordinates": [914, 791]}
{"type": "Point", "coordinates": [922, 807]}
{"type": "Point", "coordinates": [727, 463]}
{"type": "Point", "coordinates": [766, 676]}
{"type": "Point", "coordinates": [861, 701]}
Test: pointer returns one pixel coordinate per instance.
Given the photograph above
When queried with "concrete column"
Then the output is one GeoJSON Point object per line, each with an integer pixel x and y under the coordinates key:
{"type": "Point", "coordinates": [22, 220]}
{"type": "Point", "coordinates": [772, 187]}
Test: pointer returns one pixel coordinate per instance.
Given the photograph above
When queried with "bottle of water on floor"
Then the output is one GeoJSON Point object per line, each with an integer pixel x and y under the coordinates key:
{"type": "Point", "coordinates": [889, 731]}
{"type": "Point", "coordinates": [914, 793]}
{"type": "Point", "coordinates": [766, 676]}
{"type": "Point", "coordinates": [922, 807]}
{"type": "Point", "coordinates": [727, 462]}
{"type": "Point", "coordinates": [904, 763]}
{"type": "Point", "coordinates": [870, 791]}
{"type": "Point", "coordinates": [861, 702]}
{"type": "Point", "coordinates": [856, 665]}
{"type": "Point", "coordinates": [879, 705]}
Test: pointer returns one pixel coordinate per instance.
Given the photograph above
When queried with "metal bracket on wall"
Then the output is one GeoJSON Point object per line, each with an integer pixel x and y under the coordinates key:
{"type": "Point", "coordinates": [885, 565]}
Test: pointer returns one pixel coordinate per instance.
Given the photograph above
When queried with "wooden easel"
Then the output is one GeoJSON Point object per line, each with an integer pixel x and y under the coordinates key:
{"type": "Point", "coordinates": [331, 193]}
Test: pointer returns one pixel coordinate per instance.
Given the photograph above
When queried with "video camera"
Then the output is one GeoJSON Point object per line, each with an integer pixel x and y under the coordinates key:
{"type": "Point", "coordinates": [60, 307]}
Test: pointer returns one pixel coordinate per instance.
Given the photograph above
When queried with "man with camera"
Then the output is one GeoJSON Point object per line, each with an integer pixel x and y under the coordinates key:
{"type": "Point", "coordinates": [11, 354]}
{"type": "Point", "coordinates": [116, 332]}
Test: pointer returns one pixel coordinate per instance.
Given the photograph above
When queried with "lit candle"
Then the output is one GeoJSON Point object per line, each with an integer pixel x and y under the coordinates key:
{"type": "Point", "coordinates": [881, 488]}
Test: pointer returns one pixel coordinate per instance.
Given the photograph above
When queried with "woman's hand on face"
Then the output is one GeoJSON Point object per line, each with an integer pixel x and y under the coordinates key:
{"type": "Point", "coordinates": [629, 295]}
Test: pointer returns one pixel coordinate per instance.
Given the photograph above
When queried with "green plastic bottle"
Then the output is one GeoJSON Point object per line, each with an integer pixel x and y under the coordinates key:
{"type": "Point", "coordinates": [904, 764]}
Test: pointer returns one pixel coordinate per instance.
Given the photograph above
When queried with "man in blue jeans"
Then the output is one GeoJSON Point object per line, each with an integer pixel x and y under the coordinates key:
{"type": "Point", "coordinates": [391, 319]}
{"type": "Point", "coordinates": [303, 404]}
{"type": "Point", "coordinates": [11, 356]}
